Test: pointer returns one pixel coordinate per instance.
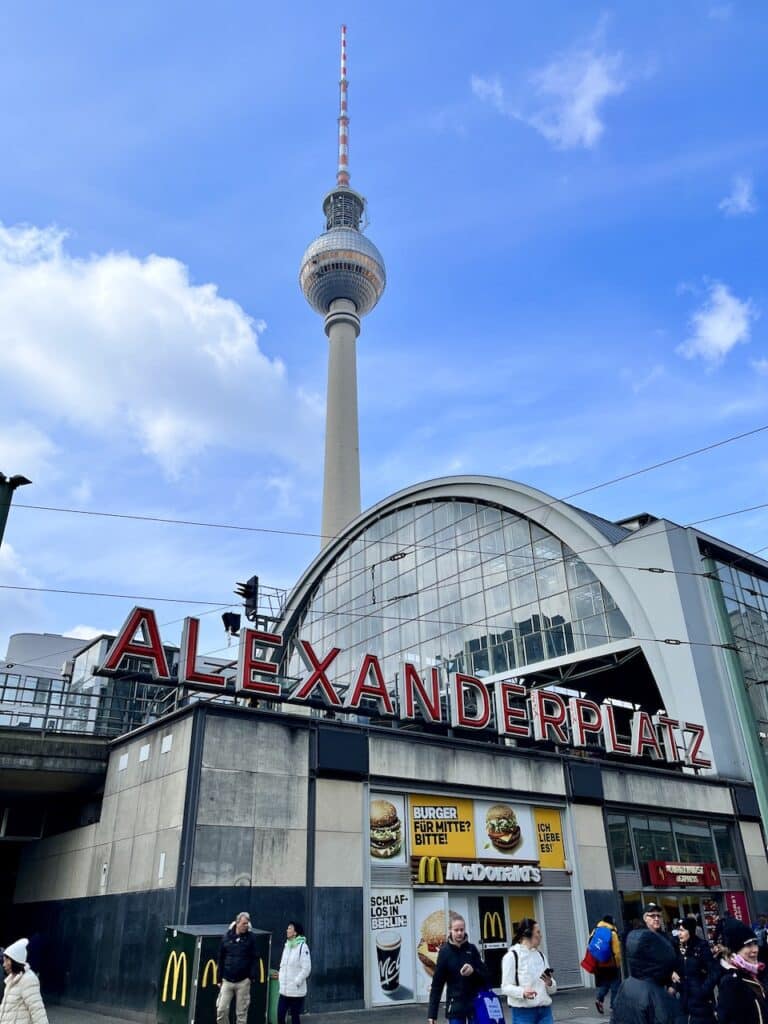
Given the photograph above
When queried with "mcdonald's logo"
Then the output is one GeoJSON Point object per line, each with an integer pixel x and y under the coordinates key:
{"type": "Point", "coordinates": [213, 967]}
{"type": "Point", "coordinates": [177, 962]}
{"type": "Point", "coordinates": [493, 926]}
{"type": "Point", "coordinates": [262, 974]}
{"type": "Point", "coordinates": [430, 871]}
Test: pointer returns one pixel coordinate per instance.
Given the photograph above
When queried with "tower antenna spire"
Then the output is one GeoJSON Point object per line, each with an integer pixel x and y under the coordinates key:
{"type": "Point", "coordinates": [342, 171]}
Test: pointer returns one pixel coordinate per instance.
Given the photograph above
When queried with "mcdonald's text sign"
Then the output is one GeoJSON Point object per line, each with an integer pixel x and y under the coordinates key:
{"type": "Point", "coordinates": [442, 871]}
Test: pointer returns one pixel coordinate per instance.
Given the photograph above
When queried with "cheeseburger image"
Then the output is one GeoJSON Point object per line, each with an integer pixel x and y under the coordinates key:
{"type": "Point", "coordinates": [502, 828]}
{"type": "Point", "coordinates": [386, 830]}
{"type": "Point", "coordinates": [433, 935]}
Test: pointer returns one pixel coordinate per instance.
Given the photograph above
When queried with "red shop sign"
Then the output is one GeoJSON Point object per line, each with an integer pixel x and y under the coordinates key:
{"type": "Point", "coordinates": [736, 906]}
{"type": "Point", "coordinates": [666, 873]}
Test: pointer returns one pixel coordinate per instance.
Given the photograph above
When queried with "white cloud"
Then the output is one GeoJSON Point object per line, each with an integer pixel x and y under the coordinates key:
{"type": "Point", "coordinates": [490, 90]}
{"type": "Point", "coordinates": [577, 85]}
{"type": "Point", "coordinates": [741, 199]}
{"type": "Point", "coordinates": [88, 632]}
{"type": "Point", "coordinates": [761, 366]}
{"type": "Point", "coordinates": [570, 93]}
{"type": "Point", "coordinates": [125, 347]}
{"type": "Point", "coordinates": [722, 322]}
{"type": "Point", "coordinates": [25, 449]}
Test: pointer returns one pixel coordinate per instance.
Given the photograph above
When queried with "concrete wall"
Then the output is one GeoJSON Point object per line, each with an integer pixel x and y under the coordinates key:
{"type": "Point", "coordinates": [252, 808]}
{"type": "Point", "coordinates": [134, 846]}
{"type": "Point", "coordinates": [660, 792]}
{"type": "Point", "coordinates": [406, 760]}
{"type": "Point", "coordinates": [754, 849]}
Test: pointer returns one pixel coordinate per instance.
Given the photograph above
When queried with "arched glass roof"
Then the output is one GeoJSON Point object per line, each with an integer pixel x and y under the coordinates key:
{"type": "Point", "coordinates": [462, 585]}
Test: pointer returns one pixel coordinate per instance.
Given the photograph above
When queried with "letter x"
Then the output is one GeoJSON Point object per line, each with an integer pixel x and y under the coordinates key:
{"type": "Point", "coordinates": [318, 676]}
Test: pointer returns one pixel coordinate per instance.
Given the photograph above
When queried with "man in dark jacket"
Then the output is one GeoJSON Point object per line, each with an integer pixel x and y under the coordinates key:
{"type": "Point", "coordinates": [462, 973]}
{"type": "Point", "coordinates": [238, 965]}
{"type": "Point", "coordinates": [643, 998]}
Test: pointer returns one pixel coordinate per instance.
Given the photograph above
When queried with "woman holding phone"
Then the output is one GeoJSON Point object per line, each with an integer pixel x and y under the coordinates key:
{"type": "Point", "coordinates": [526, 977]}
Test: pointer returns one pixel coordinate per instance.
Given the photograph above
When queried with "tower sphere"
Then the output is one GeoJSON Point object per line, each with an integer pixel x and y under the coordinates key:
{"type": "Point", "coordinates": [342, 264]}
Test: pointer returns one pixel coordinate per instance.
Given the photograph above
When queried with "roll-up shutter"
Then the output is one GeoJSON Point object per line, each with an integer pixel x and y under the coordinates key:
{"type": "Point", "coordinates": [560, 940]}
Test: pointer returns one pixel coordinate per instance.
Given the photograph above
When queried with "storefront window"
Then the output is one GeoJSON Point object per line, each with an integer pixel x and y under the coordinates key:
{"type": "Point", "coordinates": [725, 851]}
{"type": "Point", "coordinates": [653, 838]}
{"type": "Point", "coordinates": [694, 842]}
{"type": "Point", "coordinates": [621, 844]}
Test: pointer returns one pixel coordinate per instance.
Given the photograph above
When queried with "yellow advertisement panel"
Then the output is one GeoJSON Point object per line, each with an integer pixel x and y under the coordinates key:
{"type": "Point", "coordinates": [442, 826]}
{"type": "Point", "coordinates": [520, 907]}
{"type": "Point", "coordinates": [549, 837]}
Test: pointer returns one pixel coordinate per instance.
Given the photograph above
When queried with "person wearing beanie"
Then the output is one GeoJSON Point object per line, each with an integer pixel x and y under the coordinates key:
{"type": "Point", "coordinates": [740, 994]}
{"type": "Point", "coordinates": [22, 1002]}
{"type": "Point", "coordinates": [699, 974]}
{"type": "Point", "coordinates": [644, 997]}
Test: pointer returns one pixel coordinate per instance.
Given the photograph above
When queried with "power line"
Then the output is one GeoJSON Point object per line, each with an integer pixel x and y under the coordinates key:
{"type": "Point", "coordinates": [309, 534]}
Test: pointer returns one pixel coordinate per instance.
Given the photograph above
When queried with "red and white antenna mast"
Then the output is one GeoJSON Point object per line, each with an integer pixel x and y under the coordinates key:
{"type": "Point", "coordinates": [342, 172]}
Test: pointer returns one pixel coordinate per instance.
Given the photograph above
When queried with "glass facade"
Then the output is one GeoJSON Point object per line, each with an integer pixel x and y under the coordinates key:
{"type": "Point", "coordinates": [746, 606]}
{"type": "Point", "coordinates": [636, 839]}
{"type": "Point", "coordinates": [457, 585]}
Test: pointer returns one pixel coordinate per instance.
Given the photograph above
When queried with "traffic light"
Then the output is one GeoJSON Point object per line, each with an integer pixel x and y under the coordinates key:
{"type": "Point", "coordinates": [231, 623]}
{"type": "Point", "coordinates": [249, 592]}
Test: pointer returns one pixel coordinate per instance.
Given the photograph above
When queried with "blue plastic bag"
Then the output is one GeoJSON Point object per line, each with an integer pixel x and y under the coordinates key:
{"type": "Point", "coordinates": [488, 1009]}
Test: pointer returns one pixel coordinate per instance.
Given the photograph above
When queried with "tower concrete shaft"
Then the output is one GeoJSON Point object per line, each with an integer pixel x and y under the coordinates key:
{"type": "Point", "coordinates": [341, 479]}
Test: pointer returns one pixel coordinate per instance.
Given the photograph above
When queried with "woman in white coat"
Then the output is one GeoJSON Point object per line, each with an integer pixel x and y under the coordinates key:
{"type": "Point", "coordinates": [526, 977]}
{"type": "Point", "coordinates": [295, 967]}
{"type": "Point", "coordinates": [22, 1002]}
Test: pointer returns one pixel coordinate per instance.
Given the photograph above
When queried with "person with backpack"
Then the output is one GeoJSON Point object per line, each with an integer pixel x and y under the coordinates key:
{"type": "Point", "coordinates": [605, 948]}
{"type": "Point", "coordinates": [526, 977]}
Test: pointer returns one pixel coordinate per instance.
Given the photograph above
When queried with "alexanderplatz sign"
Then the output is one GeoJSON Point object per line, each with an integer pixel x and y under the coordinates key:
{"type": "Point", "coordinates": [504, 705]}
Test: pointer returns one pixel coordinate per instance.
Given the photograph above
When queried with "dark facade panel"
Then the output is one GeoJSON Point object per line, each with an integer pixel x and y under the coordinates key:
{"type": "Point", "coordinates": [600, 902]}
{"type": "Point", "coordinates": [745, 800]}
{"type": "Point", "coordinates": [103, 951]}
{"type": "Point", "coordinates": [337, 953]}
{"type": "Point", "coordinates": [341, 753]}
{"type": "Point", "coordinates": [585, 783]}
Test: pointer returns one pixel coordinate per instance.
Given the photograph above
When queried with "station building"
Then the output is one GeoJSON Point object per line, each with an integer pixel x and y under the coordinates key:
{"type": "Point", "coordinates": [479, 700]}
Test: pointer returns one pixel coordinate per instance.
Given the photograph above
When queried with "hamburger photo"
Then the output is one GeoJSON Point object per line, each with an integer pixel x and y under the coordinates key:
{"type": "Point", "coordinates": [386, 830]}
{"type": "Point", "coordinates": [433, 935]}
{"type": "Point", "coordinates": [502, 828]}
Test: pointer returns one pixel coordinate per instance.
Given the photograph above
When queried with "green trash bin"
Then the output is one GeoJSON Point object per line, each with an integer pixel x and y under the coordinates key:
{"type": "Point", "coordinates": [273, 996]}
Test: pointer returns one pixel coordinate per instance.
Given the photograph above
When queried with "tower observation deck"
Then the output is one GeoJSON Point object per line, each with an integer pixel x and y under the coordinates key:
{"type": "Point", "coordinates": [342, 276]}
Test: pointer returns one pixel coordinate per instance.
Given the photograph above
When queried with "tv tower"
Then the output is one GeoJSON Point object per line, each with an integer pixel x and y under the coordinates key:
{"type": "Point", "coordinates": [342, 276]}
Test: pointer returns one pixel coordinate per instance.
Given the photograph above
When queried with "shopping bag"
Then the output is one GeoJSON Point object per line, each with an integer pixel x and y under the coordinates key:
{"type": "Point", "coordinates": [488, 1008]}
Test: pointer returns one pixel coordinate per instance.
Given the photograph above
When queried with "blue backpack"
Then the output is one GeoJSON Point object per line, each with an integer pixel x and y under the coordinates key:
{"type": "Point", "coordinates": [600, 944]}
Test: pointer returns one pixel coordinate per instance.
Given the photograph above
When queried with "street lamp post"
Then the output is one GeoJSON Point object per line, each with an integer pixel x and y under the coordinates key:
{"type": "Point", "coordinates": [8, 485]}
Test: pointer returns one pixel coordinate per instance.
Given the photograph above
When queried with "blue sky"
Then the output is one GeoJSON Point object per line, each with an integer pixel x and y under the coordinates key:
{"type": "Point", "coordinates": [571, 202]}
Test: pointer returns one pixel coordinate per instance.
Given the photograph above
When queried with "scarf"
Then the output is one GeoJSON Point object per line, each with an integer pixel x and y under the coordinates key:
{"type": "Point", "coordinates": [746, 965]}
{"type": "Point", "coordinates": [295, 941]}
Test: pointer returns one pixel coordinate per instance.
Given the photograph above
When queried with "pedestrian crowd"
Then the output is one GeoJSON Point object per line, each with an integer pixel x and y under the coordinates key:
{"type": "Point", "coordinates": [677, 977]}
{"type": "Point", "coordinates": [680, 977]}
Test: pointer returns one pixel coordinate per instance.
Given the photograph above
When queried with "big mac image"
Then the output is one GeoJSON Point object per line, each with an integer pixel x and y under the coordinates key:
{"type": "Point", "coordinates": [502, 828]}
{"type": "Point", "coordinates": [433, 935]}
{"type": "Point", "coordinates": [386, 830]}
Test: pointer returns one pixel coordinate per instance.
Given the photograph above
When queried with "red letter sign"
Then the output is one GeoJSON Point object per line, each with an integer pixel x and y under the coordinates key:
{"type": "Point", "coordinates": [150, 646]}
{"type": "Point", "coordinates": [459, 716]}
{"type": "Point", "coordinates": [248, 665]}
{"type": "Point", "coordinates": [412, 691]}
{"type": "Point", "coordinates": [188, 673]}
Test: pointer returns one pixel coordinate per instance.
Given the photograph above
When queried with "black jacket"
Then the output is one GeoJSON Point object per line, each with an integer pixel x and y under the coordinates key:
{"type": "Point", "coordinates": [459, 991]}
{"type": "Point", "coordinates": [643, 998]}
{"type": "Point", "coordinates": [238, 958]}
{"type": "Point", "coordinates": [741, 999]}
{"type": "Point", "coordinates": [699, 973]}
